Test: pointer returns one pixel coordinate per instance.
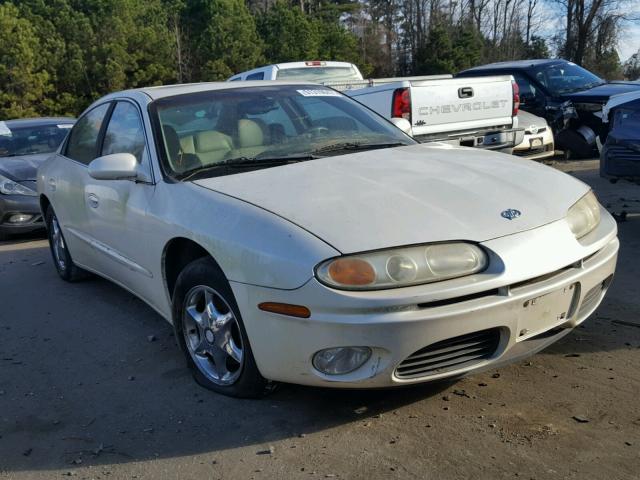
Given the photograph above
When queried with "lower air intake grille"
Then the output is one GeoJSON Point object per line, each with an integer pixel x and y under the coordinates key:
{"type": "Point", "coordinates": [451, 354]}
{"type": "Point", "coordinates": [591, 299]}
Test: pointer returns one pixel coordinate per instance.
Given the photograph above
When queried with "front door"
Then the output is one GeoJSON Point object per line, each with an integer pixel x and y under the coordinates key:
{"type": "Point", "coordinates": [117, 208]}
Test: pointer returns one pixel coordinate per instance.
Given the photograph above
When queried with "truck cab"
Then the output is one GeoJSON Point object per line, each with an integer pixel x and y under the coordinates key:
{"type": "Point", "coordinates": [313, 71]}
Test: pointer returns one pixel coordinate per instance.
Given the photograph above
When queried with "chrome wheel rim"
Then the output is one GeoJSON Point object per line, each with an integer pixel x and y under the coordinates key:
{"type": "Point", "coordinates": [212, 335]}
{"type": "Point", "coordinates": [59, 247]}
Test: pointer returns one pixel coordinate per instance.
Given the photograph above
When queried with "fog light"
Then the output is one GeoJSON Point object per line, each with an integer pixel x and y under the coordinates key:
{"type": "Point", "coordinates": [341, 360]}
{"type": "Point", "coordinates": [20, 218]}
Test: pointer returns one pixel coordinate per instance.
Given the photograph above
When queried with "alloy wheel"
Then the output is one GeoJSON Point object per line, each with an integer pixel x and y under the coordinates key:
{"type": "Point", "coordinates": [59, 247]}
{"type": "Point", "coordinates": [212, 335]}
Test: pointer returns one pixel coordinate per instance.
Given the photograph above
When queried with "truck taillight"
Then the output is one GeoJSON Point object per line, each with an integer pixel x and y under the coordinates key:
{"type": "Point", "coordinates": [516, 97]}
{"type": "Point", "coordinates": [401, 104]}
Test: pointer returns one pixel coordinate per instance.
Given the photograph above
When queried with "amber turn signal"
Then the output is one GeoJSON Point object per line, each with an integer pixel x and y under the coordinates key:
{"type": "Point", "coordinates": [352, 271]}
{"type": "Point", "coordinates": [285, 309]}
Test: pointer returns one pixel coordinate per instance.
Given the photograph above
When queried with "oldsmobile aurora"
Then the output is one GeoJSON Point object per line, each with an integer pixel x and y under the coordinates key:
{"type": "Point", "coordinates": [290, 234]}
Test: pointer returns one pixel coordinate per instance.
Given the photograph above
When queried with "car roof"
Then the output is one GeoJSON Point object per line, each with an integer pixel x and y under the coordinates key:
{"type": "Point", "coordinates": [322, 63]}
{"type": "Point", "coordinates": [34, 122]}
{"type": "Point", "coordinates": [518, 64]}
{"type": "Point", "coordinates": [180, 89]}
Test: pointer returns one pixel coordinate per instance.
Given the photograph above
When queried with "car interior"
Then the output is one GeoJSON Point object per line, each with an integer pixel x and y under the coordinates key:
{"type": "Point", "coordinates": [208, 134]}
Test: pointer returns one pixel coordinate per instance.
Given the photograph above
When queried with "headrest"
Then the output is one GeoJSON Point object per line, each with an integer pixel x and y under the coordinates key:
{"type": "Point", "coordinates": [250, 134]}
{"type": "Point", "coordinates": [211, 141]}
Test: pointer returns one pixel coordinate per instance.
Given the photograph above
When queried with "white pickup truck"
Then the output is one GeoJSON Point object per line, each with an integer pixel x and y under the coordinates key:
{"type": "Point", "coordinates": [475, 112]}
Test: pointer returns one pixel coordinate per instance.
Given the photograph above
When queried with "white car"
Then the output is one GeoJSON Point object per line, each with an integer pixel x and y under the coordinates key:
{"type": "Point", "coordinates": [290, 234]}
{"type": "Point", "coordinates": [538, 140]}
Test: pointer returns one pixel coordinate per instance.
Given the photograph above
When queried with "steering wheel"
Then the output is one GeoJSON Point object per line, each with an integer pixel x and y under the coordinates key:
{"type": "Point", "coordinates": [317, 131]}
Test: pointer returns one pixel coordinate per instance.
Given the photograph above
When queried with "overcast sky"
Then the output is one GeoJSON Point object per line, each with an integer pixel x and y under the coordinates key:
{"type": "Point", "coordinates": [629, 41]}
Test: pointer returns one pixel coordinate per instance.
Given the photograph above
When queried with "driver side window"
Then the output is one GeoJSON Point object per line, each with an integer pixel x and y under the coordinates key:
{"type": "Point", "coordinates": [124, 133]}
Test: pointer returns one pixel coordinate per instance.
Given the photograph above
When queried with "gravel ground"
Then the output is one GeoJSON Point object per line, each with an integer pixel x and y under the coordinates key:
{"type": "Point", "coordinates": [92, 386]}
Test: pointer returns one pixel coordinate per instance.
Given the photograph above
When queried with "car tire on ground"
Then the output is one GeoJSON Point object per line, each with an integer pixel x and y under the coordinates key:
{"type": "Point", "coordinates": [210, 332]}
{"type": "Point", "coordinates": [62, 260]}
{"type": "Point", "coordinates": [574, 145]}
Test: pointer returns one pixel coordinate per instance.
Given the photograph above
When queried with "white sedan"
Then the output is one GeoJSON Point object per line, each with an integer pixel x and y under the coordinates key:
{"type": "Point", "coordinates": [290, 234]}
{"type": "Point", "coordinates": [537, 142]}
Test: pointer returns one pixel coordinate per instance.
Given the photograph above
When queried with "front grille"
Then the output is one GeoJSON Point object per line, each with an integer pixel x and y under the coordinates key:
{"type": "Point", "coordinates": [622, 153]}
{"type": "Point", "coordinates": [540, 130]}
{"type": "Point", "coordinates": [451, 354]}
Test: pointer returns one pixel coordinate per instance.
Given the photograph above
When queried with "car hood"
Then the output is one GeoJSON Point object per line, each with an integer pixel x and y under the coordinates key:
{"type": "Point", "coordinates": [22, 168]}
{"type": "Point", "coordinates": [601, 93]}
{"type": "Point", "coordinates": [529, 121]}
{"type": "Point", "coordinates": [407, 195]}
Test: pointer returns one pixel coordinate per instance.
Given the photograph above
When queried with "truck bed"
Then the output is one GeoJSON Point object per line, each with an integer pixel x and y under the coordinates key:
{"type": "Point", "coordinates": [442, 104]}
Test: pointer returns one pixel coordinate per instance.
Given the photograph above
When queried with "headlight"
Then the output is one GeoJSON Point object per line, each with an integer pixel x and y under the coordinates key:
{"type": "Point", "coordinates": [584, 216]}
{"type": "Point", "coordinates": [9, 187]}
{"type": "Point", "coordinates": [402, 267]}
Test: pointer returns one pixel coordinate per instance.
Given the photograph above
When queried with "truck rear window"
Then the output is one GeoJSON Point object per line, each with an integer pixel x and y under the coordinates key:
{"type": "Point", "coordinates": [319, 74]}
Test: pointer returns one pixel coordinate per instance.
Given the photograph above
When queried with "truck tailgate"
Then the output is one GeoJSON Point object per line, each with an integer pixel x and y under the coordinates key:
{"type": "Point", "coordinates": [461, 104]}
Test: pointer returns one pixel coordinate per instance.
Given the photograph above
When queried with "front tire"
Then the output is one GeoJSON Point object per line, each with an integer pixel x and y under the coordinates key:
{"type": "Point", "coordinates": [62, 260]}
{"type": "Point", "coordinates": [210, 332]}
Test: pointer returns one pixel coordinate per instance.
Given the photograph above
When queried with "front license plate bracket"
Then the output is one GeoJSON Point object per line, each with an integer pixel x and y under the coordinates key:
{"type": "Point", "coordinates": [544, 312]}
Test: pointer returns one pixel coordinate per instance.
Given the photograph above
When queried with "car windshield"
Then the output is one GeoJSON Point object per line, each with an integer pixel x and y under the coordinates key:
{"type": "Point", "coordinates": [18, 140]}
{"type": "Point", "coordinates": [567, 77]}
{"type": "Point", "coordinates": [222, 132]}
{"type": "Point", "coordinates": [319, 74]}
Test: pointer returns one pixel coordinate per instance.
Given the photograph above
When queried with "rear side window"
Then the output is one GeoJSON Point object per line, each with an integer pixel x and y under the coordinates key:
{"type": "Point", "coordinates": [124, 133]}
{"type": "Point", "coordinates": [528, 91]}
{"type": "Point", "coordinates": [82, 144]}
{"type": "Point", "coordinates": [256, 76]}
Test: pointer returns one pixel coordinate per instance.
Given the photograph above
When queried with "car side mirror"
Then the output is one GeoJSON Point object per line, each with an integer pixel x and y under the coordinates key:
{"type": "Point", "coordinates": [403, 124]}
{"type": "Point", "coordinates": [117, 166]}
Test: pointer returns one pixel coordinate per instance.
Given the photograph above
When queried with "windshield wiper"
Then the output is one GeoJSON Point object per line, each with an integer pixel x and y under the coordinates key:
{"type": "Point", "coordinates": [356, 146]}
{"type": "Point", "coordinates": [245, 162]}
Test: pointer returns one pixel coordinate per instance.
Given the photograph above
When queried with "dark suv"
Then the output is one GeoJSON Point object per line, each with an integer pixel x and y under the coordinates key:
{"type": "Point", "coordinates": [569, 97]}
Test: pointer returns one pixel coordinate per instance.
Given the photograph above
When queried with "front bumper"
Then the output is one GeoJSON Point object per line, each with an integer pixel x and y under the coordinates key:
{"type": "Point", "coordinates": [19, 204]}
{"type": "Point", "coordinates": [536, 146]}
{"type": "Point", "coordinates": [398, 323]}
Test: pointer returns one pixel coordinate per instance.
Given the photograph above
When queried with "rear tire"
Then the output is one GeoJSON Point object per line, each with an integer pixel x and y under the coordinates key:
{"type": "Point", "coordinates": [62, 260]}
{"type": "Point", "coordinates": [210, 332]}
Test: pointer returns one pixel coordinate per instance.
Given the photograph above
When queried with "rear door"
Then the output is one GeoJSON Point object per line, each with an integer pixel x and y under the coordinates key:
{"type": "Point", "coordinates": [67, 178]}
{"type": "Point", "coordinates": [461, 104]}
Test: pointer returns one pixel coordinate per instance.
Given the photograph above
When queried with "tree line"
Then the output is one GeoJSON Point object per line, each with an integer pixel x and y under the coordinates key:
{"type": "Point", "coordinates": [57, 56]}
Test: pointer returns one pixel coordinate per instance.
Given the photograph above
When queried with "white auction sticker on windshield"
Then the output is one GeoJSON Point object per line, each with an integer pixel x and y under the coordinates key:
{"type": "Point", "coordinates": [319, 93]}
{"type": "Point", "coordinates": [64, 125]}
{"type": "Point", "coordinates": [4, 130]}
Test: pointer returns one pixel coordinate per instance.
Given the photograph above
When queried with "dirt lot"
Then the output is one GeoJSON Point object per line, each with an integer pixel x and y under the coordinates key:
{"type": "Point", "coordinates": [92, 386]}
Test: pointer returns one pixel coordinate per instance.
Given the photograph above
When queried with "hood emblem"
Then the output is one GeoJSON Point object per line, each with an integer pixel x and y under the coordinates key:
{"type": "Point", "coordinates": [510, 214]}
{"type": "Point", "coordinates": [533, 129]}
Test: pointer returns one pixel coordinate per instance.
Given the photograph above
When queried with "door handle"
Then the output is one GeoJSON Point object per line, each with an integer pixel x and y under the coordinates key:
{"type": "Point", "coordinates": [93, 200]}
{"type": "Point", "coordinates": [52, 184]}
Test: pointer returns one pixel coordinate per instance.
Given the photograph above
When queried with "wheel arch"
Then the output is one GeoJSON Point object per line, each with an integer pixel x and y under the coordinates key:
{"type": "Point", "coordinates": [177, 254]}
{"type": "Point", "coordinates": [45, 203]}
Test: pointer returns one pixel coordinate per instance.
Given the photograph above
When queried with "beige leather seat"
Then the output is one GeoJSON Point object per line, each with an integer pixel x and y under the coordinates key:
{"type": "Point", "coordinates": [210, 147]}
{"type": "Point", "coordinates": [251, 139]}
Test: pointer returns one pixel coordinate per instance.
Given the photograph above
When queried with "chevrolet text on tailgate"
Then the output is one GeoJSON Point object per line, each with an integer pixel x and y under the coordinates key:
{"type": "Point", "coordinates": [476, 112]}
{"type": "Point", "coordinates": [290, 234]}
